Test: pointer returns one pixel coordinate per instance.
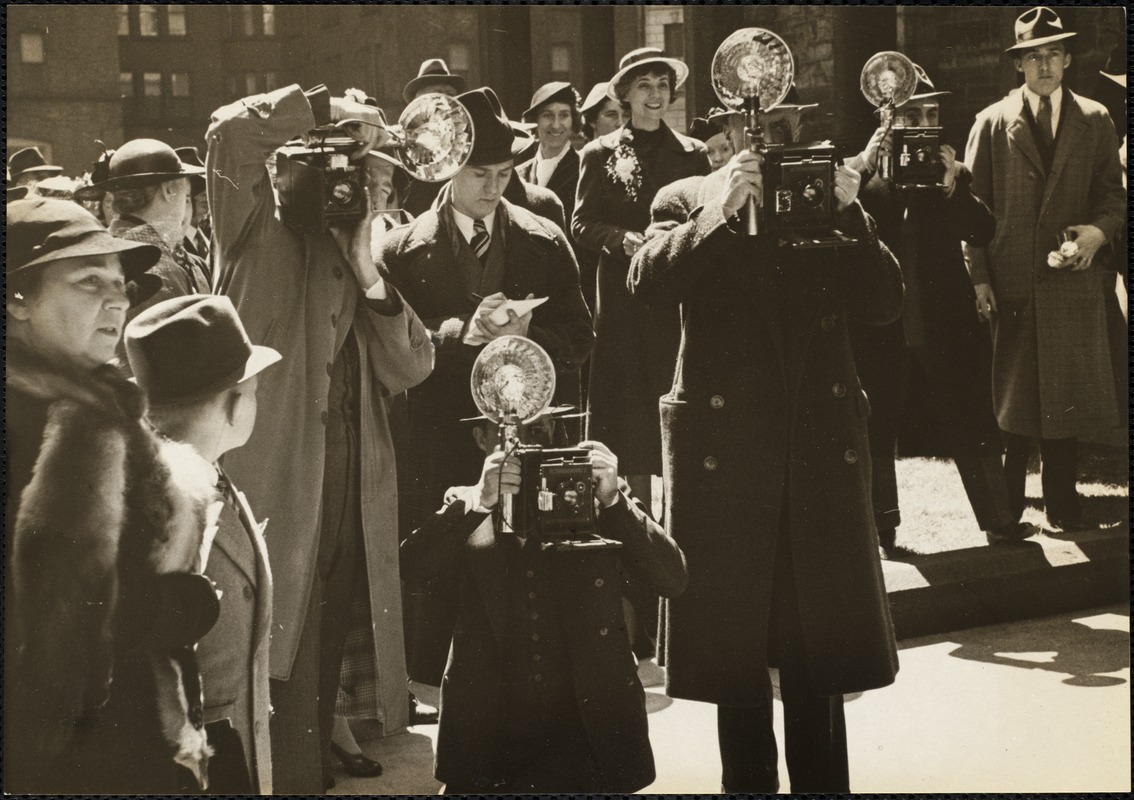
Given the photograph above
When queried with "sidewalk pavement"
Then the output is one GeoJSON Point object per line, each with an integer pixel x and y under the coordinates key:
{"type": "Point", "coordinates": [1037, 706]}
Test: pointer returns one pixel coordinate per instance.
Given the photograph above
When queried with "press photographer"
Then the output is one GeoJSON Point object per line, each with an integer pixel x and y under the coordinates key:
{"type": "Point", "coordinates": [349, 343]}
{"type": "Point", "coordinates": [541, 693]}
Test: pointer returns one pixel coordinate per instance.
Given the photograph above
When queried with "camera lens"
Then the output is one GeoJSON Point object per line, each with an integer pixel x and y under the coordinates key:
{"type": "Point", "coordinates": [923, 155]}
{"type": "Point", "coordinates": [813, 193]}
{"type": "Point", "coordinates": [342, 193]}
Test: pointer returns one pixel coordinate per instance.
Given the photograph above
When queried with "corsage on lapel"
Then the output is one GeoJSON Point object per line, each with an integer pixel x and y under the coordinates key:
{"type": "Point", "coordinates": [623, 168]}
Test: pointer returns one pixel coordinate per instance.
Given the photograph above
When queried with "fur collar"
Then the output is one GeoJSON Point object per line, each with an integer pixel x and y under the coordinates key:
{"type": "Point", "coordinates": [104, 389]}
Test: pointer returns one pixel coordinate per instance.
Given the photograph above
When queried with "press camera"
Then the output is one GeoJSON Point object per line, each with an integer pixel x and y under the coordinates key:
{"type": "Point", "coordinates": [556, 500]}
{"type": "Point", "coordinates": [319, 186]}
{"type": "Point", "coordinates": [917, 157]}
{"type": "Point", "coordinates": [799, 196]}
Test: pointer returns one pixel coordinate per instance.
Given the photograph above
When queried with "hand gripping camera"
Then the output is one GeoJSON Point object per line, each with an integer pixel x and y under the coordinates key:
{"type": "Point", "coordinates": [513, 382]}
{"type": "Point", "coordinates": [320, 187]}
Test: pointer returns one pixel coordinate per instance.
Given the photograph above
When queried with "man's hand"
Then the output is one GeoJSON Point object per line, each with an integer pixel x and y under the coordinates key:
{"type": "Point", "coordinates": [632, 242]}
{"type": "Point", "coordinates": [985, 301]}
{"type": "Point", "coordinates": [604, 472]}
{"type": "Point", "coordinates": [949, 161]}
{"type": "Point", "coordinates": [485, 329]}
{"type": "Point", "coordinates": [1090, 239]}
{"type": "Point", "coordinates": [354, 244]}
{"type": "Point", "coordinates": [500, 476]}
{"type": "Point", "coordinates": [742, 180]}
{"type": "Point", "coordinates": [847, 182]}
{"type": "Point", "coordinates": [370, 130]}
{"type": "Point", "coordinates": [880, 144]}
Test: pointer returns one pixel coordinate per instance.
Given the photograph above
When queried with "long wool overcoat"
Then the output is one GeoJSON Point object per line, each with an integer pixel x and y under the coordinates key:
{"type": "Point", "coordinates": [294, 292]}
{"type": "Point", "coordinates": [765, 418]}
{"type": "Point", "coordinates": [635, 346]}
{"type": "Point", "coordinates": [1051, 368]}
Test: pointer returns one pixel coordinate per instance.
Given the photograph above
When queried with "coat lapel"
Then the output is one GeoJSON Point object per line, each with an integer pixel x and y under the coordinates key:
{"type": "Point", "coordinates": [251, 555]}
{"type": "Point", "coordinates": [1020, 131]}
{"type": "Point", "coordinates": [489, 564]}
{"type": "Point", "coordinates": [1072, 129]}
{"type": "Point", "coordinates": [566, 173]}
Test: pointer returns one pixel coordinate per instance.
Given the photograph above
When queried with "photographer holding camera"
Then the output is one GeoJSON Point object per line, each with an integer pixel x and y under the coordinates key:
{"type": "Point", "coordinates": [541, 693]}
{"type": "Point", "coordinates": [323, 469]}
{"type": "Point", "coordinates": [768, 469]}
{"type": "Point", "coordinates": [938, 346]}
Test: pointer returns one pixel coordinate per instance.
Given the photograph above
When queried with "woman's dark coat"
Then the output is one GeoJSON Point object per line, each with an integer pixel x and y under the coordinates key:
{"type": "Point", "coordinates": [765, 418]}
{"type": "Point", "coordinates": [635, 347]}
{"type": "Point", "coordinates": [564, 179]}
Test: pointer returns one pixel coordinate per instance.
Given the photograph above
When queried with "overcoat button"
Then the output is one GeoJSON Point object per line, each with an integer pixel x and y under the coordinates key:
{"type": "Point", "coordinates": [716, 401]}
{"type": "Point", "coordinates": [827, 323]}
{"type": "Point", "coordinates": [598, 583]}
{"type": "Point", "coordinates": [338, 273]}
{"type": "Point", "coordinates": [531, 595]}
{"type": "Point", "coordinates": [850, 456]}
{"type": "Point", "coordinates": [603, 631]}
{"type": "Point", "coordinates": [538, 678]}
{"type": "Point", "coordinates": [323, 417]}
{"type": "Point", "coordinates": [710, 463]}
{"type": "Point", "coordinates": [534, 615]}
{"type": "Point", "coordinates": [838, 390]}
{"type": "Point", "coordinates": [535, 656]}
{"type": "Point", "coordinates": [530, 574]}
{"type": "Point", "coordinates": [247, 592]}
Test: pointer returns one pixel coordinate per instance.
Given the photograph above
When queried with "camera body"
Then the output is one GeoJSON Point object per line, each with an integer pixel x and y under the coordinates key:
{"type": "Point", "coordinates": [556, 500]}
{"type": "Point", "coordinates": [799, 196]}
{"type": "Point", "coordinates": [917, 157]}
{"type": "Point", "coordinates": [319, 187]}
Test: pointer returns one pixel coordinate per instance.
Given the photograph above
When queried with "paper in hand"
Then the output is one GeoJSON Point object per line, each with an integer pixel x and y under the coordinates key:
{"type": "Point", "coordinates": [499, 316]}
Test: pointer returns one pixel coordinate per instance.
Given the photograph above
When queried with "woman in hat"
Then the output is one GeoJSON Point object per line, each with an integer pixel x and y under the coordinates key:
{"type": "Point", "coordinates": [101, 686]}
{"type": "Point", "coordinates": [635, 348]}
{"type": "Point", "coordinates": [602, 114]}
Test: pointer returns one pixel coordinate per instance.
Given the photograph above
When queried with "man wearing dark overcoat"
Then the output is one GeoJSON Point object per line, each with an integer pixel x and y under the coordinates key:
{"type": "Point", "coordinates": [767, 469]}
{"type": "Point", "coordinates": [1045, 160]}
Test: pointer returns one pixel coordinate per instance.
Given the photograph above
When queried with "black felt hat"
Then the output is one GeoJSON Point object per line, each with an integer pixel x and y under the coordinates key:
{"type": "Point", "coordinates": [143, 162]}
{"type": "Point", "coordinates": [30, 160]}
{"type": "Point", "coordinates": [494, 138]}
{"type": "Point", "coordinates": [432, 71]}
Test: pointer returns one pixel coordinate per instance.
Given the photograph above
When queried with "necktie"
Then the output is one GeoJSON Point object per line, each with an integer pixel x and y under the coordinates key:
{"type": "Point", "coordinates": [1043, 121]}
{"type": "Point", "coordinates": [480, 239]}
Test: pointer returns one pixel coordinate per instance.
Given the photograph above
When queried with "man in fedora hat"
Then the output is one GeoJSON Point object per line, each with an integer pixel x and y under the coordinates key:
{"type": "Point", "coordinates": [323, 472]}
{"type": "Point", "coordinates": [1045, 160]}
{"type": "Point", "coordinates": [937, 356]}
{"type": "Point", "coordinates": [151, 190]}
{"type": "Point", "coordinates": [192, 358]}
{"type": "Point", "coordinates": [27, 165]}
{"type": "Point", "coordinates": [764, 440]}
{"type": "Point", "coordinates": [539, 697]}
{"type": "Point", "coordinates": [433, 76]}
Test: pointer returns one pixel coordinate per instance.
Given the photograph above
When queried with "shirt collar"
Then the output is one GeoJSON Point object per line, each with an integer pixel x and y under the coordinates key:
{"type": "Point", "coordinates": [1034, 101]}
{"type": "Point", "coordinates": [465, 222]}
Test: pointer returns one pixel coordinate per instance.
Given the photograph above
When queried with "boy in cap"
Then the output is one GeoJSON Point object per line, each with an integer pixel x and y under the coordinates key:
{"type": "Point", "coordinates": [1045, 161]}
{"type": "Point", "coordinates": [198, 369]}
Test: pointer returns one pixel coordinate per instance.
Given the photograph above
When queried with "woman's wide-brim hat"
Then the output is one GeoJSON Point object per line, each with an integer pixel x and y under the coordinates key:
{"type": "Point", "coordinates": [30, 161]}
{"type": "Point", "coordinates": [595, 97]}
{"type": "Point", "coordinates": [1038, 26]}
{"type": "Point", "coordinates": [643, 56]}
{"type": "Point", "coordinates": [554, 92]}
{"type": "Point", "coordinates": [432, 71]}
{"type": "Point", "coordinates": [192, 347]}
{"type": "Point", "coordinates": [494, 138]}
{"type": "Point", "coordinates": [42, 230]}
{"type": "Point", "coordinates": [142, 162]}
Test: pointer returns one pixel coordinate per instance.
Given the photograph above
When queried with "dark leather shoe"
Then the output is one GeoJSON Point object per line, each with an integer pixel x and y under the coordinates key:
{"type": "Point", "coordinates": [356, 764]}
{"type": "Point", "coordinates": [895, 552]}
{"type": "Point", "coordinates": [328, 780]}
{"type": "Point", "coordinates": [420, 713]}
{"type": "Point", "coordinates": [1012, 533]}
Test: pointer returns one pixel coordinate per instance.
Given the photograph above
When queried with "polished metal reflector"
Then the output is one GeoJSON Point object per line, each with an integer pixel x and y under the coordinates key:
{"type": "Point", "coordinates": [752, 62]}
{"type": "Point", "coordinates": [513, 380]}
{"type": "Point", "coordinates": [433, 137]}
{"type": "Point", "coordinates": [889, 78]}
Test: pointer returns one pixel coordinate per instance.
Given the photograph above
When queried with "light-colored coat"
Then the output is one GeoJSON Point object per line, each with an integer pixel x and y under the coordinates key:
{"type": "Point", "coordinates": [1051, 362]}
{"type": "Point", "coordinates": [297, 294]}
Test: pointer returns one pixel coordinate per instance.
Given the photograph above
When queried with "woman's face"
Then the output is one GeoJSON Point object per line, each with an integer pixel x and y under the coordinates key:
{"type": "Point", "coordinates": [554, 126]}
{"type": "Point", "coordinates": [720, 150]}
{"type": "Point", "coordinates": [610, 118]}
{"type": "Point", "coordinates": [648, 97]}
{"type": "Point", "coordinates": [77, 315]}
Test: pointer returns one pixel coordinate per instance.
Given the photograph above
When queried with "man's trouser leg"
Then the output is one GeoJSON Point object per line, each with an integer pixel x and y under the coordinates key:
{"type": "Point", "coordinates": [1060, 469]}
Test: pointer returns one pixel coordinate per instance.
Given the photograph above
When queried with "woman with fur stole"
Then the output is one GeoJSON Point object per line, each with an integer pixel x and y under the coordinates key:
{"type": "Point", "coordinates": [105, 531]}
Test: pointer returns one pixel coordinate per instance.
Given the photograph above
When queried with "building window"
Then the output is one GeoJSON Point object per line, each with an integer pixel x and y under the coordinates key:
{"type": "Point", "coordinates": [147, 20]}
{"type": "Point", "coordinates": [123, 20]}
{"type": "Point", "coordinates": [31, 48]}
{"type": "Point", "coordinates": [560, 62]}
{"type": "Point", "coordinates": [179, 84]}
{"type": "Point", "coordinates": [175, 20]}
{"type": "Point", "coordinates": [674, 39]}
{"type": "Point", "coordinates": [151, 84]}
{"type": "Point", "coordinates": [126, 84]}
{"type": "Point", "coordinates": [459, 57]}
{"type": "Point", "coordinates": [248, 20]}
{"type": "Point", "coordinates": [251, 83]}
{"type": "Point", "coordinates": [271, 81]}
{"type": "Point", "coordinates": [269, 19]}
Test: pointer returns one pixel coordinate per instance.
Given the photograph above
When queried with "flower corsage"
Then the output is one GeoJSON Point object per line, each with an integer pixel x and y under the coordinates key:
{"type": "Point", "coordinates": [624, 169]}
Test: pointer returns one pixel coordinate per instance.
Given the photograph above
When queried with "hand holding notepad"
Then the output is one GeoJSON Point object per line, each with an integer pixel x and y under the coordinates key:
{"type": "Point", "coordinates": [492, 319]}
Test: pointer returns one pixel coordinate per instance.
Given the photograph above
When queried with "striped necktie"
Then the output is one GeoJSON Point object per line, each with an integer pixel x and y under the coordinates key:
{"type": "Point", "coordinates": [480, 239]}
{"type": "Point", "coordinates": [1043, 121]}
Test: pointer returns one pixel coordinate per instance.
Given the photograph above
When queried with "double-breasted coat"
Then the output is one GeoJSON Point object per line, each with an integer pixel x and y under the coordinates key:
{"type": "Point", "coordinates": [635, 346]}
{"type": "Point", "coordinates": [297, 294]}
{"type": "Point", "coordinates": [459, 550]}
{"type": "Point", "coordinates": [1051, 367]}
{"type": "Point", "coordinates": [766, 418]}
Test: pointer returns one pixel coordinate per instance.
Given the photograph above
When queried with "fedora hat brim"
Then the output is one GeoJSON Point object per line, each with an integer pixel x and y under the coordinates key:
{"type": "Point", "coordinates": [925, 96]}
{"type": "Point", "coordinates": [680, 69]}
{"type": "Point", "coordinates": [1042, 40]}
{"type": "Point", "coordinates": [47, 169]}
{"type": "Point", "coordinates": [412, 88]}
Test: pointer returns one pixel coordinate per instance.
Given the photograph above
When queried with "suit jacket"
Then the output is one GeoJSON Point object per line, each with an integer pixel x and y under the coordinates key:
{"type": "Point", "coordinates": [234, 654]}
{"type": "Point", "coordinates": [461, 552]}
{"type": "Point", "coordinates": [1051, 359]}
{"type": "Point", "coordinates": [766, 418]}
{"type": "Point", "coordinates": [564, 180]}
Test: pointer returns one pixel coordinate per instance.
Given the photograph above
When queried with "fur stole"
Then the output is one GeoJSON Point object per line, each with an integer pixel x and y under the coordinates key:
{"type": "Point", "coordinates": [105, 512]}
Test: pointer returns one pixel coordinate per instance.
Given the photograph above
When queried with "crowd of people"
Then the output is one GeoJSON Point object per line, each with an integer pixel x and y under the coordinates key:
{"type": "Point", "coordinates": [228, 437]}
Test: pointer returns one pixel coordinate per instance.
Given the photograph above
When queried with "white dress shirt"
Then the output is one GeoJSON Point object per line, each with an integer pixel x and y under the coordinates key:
{"type": "Point", "coordinates": [1056, 104]}
{"type": "Point", "coordinates": [465, 223]}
